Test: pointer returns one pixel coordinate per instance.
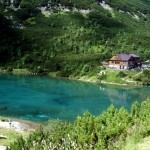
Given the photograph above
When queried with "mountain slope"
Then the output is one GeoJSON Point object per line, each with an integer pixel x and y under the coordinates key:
{"type": "Point", "coordinates": [132, 5]}
{"type": "Point", "coordinates": [58, 35]}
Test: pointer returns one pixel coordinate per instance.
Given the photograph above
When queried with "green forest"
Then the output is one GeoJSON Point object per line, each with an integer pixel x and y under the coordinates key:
{"type": "Point", "coordinates": [66, 42]}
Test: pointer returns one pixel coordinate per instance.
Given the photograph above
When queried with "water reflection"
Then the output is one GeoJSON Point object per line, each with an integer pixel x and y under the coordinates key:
{"type": "Point", "coordinates": [125, 96]}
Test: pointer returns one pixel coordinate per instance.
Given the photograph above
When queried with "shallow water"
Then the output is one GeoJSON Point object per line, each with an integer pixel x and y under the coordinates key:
{"type": "Point", "coordinates": [41, 98]}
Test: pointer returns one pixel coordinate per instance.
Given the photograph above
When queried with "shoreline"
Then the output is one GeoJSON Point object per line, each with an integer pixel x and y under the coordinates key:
{"type": "Point", "coordinates": [17, 124]}
{"type": "Point", "coordinates": [96, 81]}
{"type": "Point", "coordinates": [85, 78]}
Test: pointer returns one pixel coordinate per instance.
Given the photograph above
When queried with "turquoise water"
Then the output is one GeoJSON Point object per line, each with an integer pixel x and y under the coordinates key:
{"type": "Point", "coordinates": [40, 98]}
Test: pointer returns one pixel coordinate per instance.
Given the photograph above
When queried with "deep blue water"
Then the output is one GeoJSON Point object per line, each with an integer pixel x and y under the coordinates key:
{"type": "Point", "coordinates": [41, 98]}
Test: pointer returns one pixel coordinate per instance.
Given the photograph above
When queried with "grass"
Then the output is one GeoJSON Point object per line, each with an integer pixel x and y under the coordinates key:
{"type": "Point", "coordinates": [31, 21]}
{"type": "Point", "coordinates": [11, 136]}
{"type": "Point", "coordinates": [115, 76]}
{"type": "Point", "coordinates": [111, 76]}
{"type": "Point", "coordinates": [137, 143]}
{"type": "Point", "coordinates": [21, 71]}
{"type": "Point", "coordinates": [144, 144]}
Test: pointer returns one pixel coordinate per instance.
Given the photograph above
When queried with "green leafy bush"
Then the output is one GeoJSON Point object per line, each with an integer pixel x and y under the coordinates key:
{"type": "Point", "coordinates": [106, 131]}
{"type": "Point", "coordinates": [121, 74]}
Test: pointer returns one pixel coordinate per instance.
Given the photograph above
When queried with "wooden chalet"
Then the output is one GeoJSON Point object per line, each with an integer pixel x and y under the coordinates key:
{"type": "Point", "coordinates": [125, 61]}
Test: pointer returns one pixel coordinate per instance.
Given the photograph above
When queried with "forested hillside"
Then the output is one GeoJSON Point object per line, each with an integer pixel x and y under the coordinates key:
{"type": "Point", "coordinates": [61, 35]}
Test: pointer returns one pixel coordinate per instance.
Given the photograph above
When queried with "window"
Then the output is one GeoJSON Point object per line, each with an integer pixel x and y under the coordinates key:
{"type": "Point", "coordinates": [116, 62]}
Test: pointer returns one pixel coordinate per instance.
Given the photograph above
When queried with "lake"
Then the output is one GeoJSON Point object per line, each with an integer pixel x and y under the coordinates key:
{"type": "Point", "coordinates": [41, 98]}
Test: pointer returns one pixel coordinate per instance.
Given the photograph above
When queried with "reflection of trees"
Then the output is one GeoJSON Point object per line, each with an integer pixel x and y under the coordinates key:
{"type": "Point", "coordinates": [120, 96]}
{"type": "Point", "coordinates": [117, 96]}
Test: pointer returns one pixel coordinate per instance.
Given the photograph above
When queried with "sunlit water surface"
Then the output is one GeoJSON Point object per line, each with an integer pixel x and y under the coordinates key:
{"type": "Point", "coordinates": [42, 98]}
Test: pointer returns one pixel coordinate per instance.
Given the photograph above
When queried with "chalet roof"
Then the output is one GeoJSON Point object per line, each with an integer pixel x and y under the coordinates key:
{"type": "Point", "coordinates": [126, 57]}
{"type": "Point", "coordinates": [115, 58]}
{"type": "Point", "coordinates": [133, 55]}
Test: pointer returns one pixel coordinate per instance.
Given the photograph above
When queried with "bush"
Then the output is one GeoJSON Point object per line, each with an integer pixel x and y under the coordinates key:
{"type": "Point", "coordinates": [102, 77]}
{"type": "Point", "coordinates": [144, 78]}
{"type": "Point", "coordinates": [88, 132]}
{"type": "Point", "coordinates": [10, 69]}
{"type": "Point", "coordinates": [121, 74]}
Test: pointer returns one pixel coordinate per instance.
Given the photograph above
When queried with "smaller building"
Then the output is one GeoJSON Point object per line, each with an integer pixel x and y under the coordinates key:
{"type": "Point", "coordinates": [125, 61]}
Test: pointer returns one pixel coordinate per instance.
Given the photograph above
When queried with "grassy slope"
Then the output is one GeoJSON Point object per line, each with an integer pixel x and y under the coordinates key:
{"type": "Point", "coordinates": [132, 5]}
{"type": "Point", "coordinates": [137, 143]}
{"type": "Point", "coordinates": [11, 136]}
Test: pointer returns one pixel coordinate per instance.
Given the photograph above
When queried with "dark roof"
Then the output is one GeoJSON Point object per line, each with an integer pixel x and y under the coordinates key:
{"type": "Point", "coordinates": [133, 55]}
{"type": "Point", "coordinates": [126, 57]}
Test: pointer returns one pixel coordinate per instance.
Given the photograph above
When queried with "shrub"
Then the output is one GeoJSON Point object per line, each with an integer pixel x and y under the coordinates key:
{"type": "Point", "coordinates": [105, 131]}
{"type": "Point", "coordinates": [121, 74]}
